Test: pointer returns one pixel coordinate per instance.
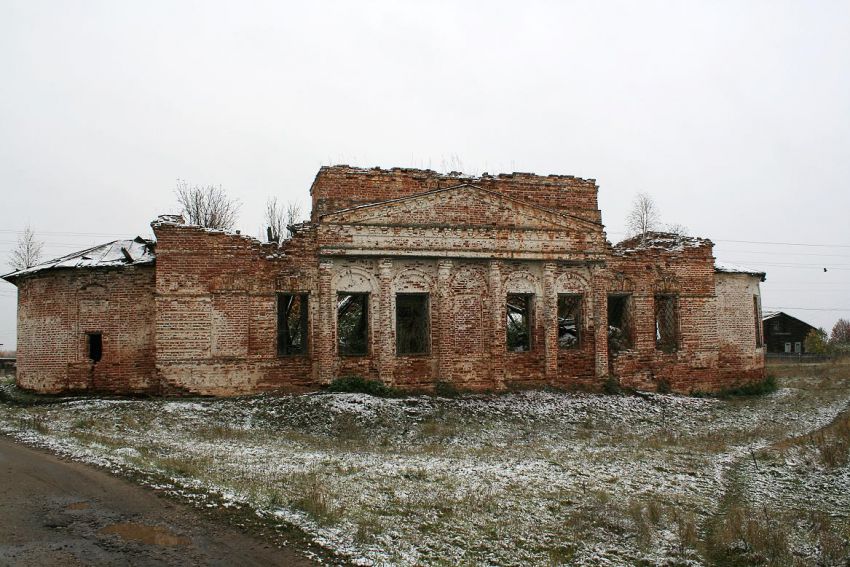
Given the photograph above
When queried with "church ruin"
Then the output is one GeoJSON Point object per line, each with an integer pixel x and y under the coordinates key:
{"type": "Point", "coordinates": [406, 276]}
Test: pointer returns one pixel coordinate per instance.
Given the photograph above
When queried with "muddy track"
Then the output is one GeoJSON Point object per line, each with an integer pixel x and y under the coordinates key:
{"type": "Point", "coordinates": [56, 512]}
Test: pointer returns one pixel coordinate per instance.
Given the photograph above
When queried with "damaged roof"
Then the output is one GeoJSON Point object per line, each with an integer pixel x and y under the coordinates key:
{"type": "Point", "coordinates": [725, 268]}
{"type": "Point", "coordinates": [662, 240]}
{"type": "Point", "coordinates": [112, 254]}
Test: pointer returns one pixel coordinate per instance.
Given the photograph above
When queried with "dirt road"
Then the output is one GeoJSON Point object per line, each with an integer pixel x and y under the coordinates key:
{"type": "Point", "coordinates": [54, 512]}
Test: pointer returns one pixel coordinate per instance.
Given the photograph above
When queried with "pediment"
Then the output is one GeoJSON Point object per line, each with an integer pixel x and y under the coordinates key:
{"type": "Point", "coordinates": [463, 206]}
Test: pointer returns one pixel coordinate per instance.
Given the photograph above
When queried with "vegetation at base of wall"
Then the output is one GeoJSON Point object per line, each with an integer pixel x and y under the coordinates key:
{"type": "Point", "coordinates": [663, 387]}
{"type": "Point", "coordinates": [760, 388]}
{"type": "Point", "coordinates": [612, 386]}
{"type": "Point", "coordinates": [10, 393]}
{"type": "Point", "coordinates": [446, 389]}
{"type": "Point", "coordinates": [356, 384]}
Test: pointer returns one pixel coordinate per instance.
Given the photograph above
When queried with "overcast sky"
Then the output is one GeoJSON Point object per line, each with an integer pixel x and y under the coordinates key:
{"type": "Point", "coordinates": [734, 115]}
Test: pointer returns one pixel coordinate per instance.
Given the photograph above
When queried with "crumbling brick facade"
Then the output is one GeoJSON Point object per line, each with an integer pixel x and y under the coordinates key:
{"type": "Point", "coordinates": [497, 282]}
{"type": "Point", "coordinates": [59, 310]}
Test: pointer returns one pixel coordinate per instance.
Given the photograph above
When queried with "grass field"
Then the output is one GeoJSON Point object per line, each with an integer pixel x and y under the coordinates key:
{"type": "Point", "coordinates": [514, 479]}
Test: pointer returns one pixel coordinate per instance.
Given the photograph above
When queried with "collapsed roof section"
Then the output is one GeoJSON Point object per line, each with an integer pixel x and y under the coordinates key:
{"type": "Point", "coordinates": [117, 253]}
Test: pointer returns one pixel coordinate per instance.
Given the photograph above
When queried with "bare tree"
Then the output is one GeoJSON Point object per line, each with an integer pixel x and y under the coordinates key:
{"type": "Point", "coordinates": [279, 217]}
{"type": "Point", "coordinates": [209, 206]}
{"type": "Point", "coordinates": [644, 216]}
{"type": "Point", "coordinates": [677, 229]}
{"type": "Point", "coordinates": [27, 251]}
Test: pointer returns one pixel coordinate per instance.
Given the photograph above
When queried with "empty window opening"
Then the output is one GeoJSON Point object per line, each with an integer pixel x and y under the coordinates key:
{"type": "Point", "coordinates": [95, 344]}
{"type": "Point", "coordinates": [666, 323]}
{"type": "Point", "coordinates": [291, 324]}
{"type": "Point", "coordinates": [411, 323]}
{"type": "Point", "coordinates": [569, 320]}
{"type": "Point", "coordinates": [758, 322]}
{"type": "Point", "coordinates": [352, 323]}
{"type": "Point", "coordinates": [620, 327]}
{"type": "Point", "coordinates": [519, 322]}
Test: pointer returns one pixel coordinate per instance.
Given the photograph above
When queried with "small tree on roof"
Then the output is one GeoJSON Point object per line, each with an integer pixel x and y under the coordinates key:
{"type": "Point", "coordinates": [644, 216]}
{"type": "Point", "coordinates": [209, 207]}
{"type": "Point", "coordinates": [279, 217]}
{"type": "Point", "coordinates": [27, 251]}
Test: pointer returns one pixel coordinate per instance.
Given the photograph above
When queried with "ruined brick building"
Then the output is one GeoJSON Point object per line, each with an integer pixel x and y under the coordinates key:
{"type": "Point", "coordinates": [406, 276]}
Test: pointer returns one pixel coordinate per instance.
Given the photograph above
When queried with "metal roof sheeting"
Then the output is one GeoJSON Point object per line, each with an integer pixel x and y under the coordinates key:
{"type": "Point", "coordinates": [112, 254]}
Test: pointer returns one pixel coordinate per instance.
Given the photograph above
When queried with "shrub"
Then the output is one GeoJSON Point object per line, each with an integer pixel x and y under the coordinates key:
{"type": "Point", "coordinates": [612, 386]}
{"type": "Point", "coordinates": [358, 385]}
{"type": "Point", "coordinates": [663, 387]}
{"type": "Point", "coordinates": [446, 389]}
{"type": "Point", "coordinates": [766, 386]}
{"type": "Point", "coordinates": [761, 388]}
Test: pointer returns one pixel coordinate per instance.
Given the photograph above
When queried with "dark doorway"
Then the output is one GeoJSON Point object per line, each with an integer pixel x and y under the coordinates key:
{"type": "Point", "coordinates": [95, 342]}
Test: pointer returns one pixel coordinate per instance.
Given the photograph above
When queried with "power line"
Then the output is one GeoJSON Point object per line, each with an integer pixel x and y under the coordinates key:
{"type": "Point", "coordinates": [821, 265]}
{"type": "Point", "coordinates": [807, 254]}
{"type": "Point", "coordinates": [60, 233]}
{"type": "Point", "coordinates": [811, 308]}
{"type": "Point", "coordinates": [782, 243]}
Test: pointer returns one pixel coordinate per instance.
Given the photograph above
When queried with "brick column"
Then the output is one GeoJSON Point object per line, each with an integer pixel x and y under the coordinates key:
{"type": "Point", "coordinates": [498, 348]}
{"type": "Point", "coordinates": [386, 348]}
{"type": "Point", "coordinates": [324, 350]}
{"type": "Point", "coordinates": [550, 323]}
{"type": "Point", "coordinates": [443, 329]}
{"type": "Point", "coordinates": [600, 322]}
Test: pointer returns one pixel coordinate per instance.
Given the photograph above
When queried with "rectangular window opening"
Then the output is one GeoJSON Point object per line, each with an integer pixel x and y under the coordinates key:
{"type": "Point", "coordinates": [519, 322]}
{"type": "Point", "coordinates": [291, 324]}
{"type": "Point", "coordinates": [95, 346]}
{"type": "Point", "coordinates": [620, 327]}
{"type": "Point", "coordinates": [411, 323]}
{"type": "Point", "coordinates": [758, 322]}
{"type": "Point", "coordinates": [569, 321]}
{"type": "Point", "coordinates": [352, 323]}
{"type": "Point", "coordinates": [666, 323]}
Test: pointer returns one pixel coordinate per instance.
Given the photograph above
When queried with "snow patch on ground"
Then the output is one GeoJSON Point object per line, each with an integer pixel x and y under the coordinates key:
{"type": "Point", "coordinates": [515, 479]}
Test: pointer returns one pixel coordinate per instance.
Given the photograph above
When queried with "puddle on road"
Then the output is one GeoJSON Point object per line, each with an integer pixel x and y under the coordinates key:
{"type": "Point", "coordinates": [152, 535]}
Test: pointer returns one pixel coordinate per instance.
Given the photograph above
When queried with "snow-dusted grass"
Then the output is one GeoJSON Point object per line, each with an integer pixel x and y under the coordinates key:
{"type": "Point", "coordinates": [515, 479]}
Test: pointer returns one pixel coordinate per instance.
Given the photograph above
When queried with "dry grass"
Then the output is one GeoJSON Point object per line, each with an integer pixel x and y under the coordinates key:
{"type": "Point", "coordinates": [833, 442]}
{"type": "Point", "coordinates": [187, 466]}
{"type": "Point", "coordinates": [316, 501]}
{"type": "Point", "coordinates": [748, 536]}
{"type": "Point", "coordinates": [638, 483]}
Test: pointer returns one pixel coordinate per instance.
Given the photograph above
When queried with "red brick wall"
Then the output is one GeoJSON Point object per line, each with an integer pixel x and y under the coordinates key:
{"type": "Point", "coordinates": [687, 272]}
{"type": "Point", "coordinates": [341, 187]}
{"type": "Point", "coordinates": [216, 311]}
{"type": "Point", "coordinates": [57, 308]}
